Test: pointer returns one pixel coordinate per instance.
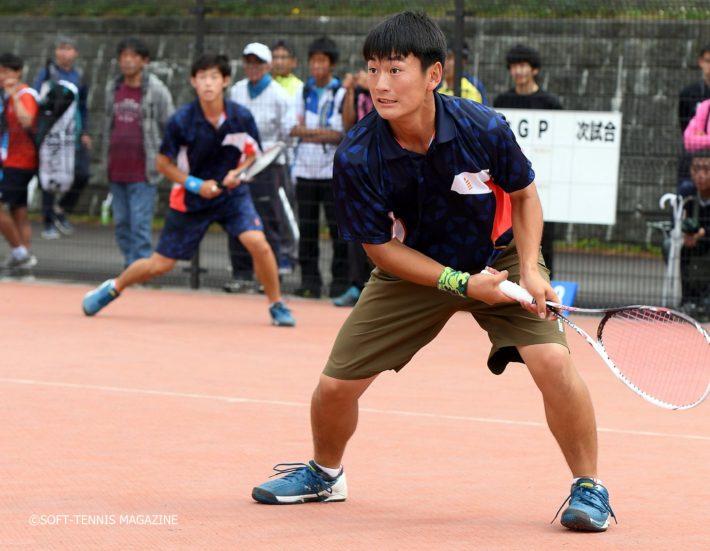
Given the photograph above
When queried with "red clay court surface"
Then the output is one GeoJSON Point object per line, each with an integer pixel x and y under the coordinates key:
{"type": "Point", "coordinates": [147, 426]}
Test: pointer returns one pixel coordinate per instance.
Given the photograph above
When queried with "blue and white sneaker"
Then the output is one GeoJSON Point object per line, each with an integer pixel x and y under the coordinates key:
{"type": "Point", "coordinates": [281, 315]}
{"type": "Point", "coordinates": [349, 297]}
{"type": "Point", "coordinates": [95, 300]}
{"type": "Point", "coordinates": [302, 483]}
{"type": "Point", "coordinates": [589, 508]}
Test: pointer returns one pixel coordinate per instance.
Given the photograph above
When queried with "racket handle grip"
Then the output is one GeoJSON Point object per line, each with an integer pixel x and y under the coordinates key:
{"type": "Point", "coordinates": [513, 290]}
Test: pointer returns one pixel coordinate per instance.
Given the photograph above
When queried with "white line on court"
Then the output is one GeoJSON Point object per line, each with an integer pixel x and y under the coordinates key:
{"type": "Point", "coordinates": [238, 400]}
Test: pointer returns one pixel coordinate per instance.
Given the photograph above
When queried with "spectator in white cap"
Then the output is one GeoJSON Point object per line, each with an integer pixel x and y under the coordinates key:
{"type": "Point", "coordinates": [275, 116]}
{"type": "Point", "coordinates": [259, 50]}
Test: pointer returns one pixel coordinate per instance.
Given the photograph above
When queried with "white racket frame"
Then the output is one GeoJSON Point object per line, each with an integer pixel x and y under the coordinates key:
{"type": "Point", "coordinates": [262, 162]}
{"type": "Point", "coordinates": [516, 292]}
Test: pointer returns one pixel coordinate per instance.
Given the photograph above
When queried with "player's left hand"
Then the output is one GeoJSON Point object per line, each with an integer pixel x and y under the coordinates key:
{"type": "Point", "coordinates": [542, 291]}
{"type": "Point", "coordinates": [233, 178]}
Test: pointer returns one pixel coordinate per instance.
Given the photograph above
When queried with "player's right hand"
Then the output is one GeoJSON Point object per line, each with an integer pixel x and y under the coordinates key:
{"type": "Point", "coordinates": [486, 288]}
{"type": "Point", "coordinates": [210, 189]}
{"type": "Point", "coordinates": [348, 81]}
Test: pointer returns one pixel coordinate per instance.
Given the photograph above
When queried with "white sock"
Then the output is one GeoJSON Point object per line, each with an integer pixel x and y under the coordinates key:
{"type": "Point", "coordinates": [18, 253]}
{"type": "Point", "coordinates": [328, 470]}
{"type": "Point", "coordinates": [595, 480]}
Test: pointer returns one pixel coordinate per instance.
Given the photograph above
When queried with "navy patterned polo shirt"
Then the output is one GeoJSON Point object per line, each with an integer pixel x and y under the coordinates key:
{"type": "Point", "coordinates": [207, 152]}
{"type": "Point", "coordinates": [451, 204]}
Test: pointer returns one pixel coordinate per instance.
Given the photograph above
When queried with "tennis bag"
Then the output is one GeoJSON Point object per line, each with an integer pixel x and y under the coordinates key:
{"type": "Point", "coordinates": [55, 136]}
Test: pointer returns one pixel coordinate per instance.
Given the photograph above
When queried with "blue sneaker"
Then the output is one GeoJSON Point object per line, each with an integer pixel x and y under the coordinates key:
{"type": "Point", "coordinates": [302, 483]}
{"type": "Point", "coordinates": [348, 298]}
{"type": "Point", "coordinates": [285, 266]}
{"type": "Point", "coordinates": [63, 225]}
{"type": "Point", "coordinates": [589, 508]}
{"type": "Point", "coordinates": [281, 315]}
{"type": "Point", "coordinates": [98, 298]}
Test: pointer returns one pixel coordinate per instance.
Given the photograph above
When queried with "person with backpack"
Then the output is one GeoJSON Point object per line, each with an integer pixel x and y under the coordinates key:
{"type": "Point", "coordinates": [319, 130]}
{"type": "Point", "coordinates": [137, 108]}
{"type": "Point", "coordinates": [357, 103]}
{"type": "Point", "coordinates": [63, 69]}
{"type": "Point", "coordinates": [19, 166]}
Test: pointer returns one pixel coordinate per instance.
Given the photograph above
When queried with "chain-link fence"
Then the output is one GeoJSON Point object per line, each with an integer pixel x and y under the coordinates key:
{"type": "Point", "coordinates": [625, 58]}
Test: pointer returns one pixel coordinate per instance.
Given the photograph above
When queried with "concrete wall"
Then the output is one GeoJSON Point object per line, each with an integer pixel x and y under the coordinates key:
{"type": "Point", "coordinates": [637, 66]}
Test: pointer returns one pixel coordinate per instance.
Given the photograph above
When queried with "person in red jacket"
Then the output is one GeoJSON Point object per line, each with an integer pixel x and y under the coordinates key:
{"type": "Point", "coordinates": [20, 163]}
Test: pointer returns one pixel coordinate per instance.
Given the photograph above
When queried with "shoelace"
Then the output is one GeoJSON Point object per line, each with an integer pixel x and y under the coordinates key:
{"type": "Point", "coordinates": [594, 499]}
{"type": "Point", "coordinates": [297, 471]}
{"type": "Point", "coordinates": [290, 469]}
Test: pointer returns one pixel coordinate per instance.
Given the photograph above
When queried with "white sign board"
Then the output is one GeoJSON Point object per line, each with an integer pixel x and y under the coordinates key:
{"type": "Point", "coordinates": [575, 156]}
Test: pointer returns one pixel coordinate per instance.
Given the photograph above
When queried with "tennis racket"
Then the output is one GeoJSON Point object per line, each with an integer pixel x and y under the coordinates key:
{"type": "Point", "coordinates": [255, 165]}
{"type": "Point", "coordinates": [262, 162]}
{"type": "Point", "coordinates": [660, 354]}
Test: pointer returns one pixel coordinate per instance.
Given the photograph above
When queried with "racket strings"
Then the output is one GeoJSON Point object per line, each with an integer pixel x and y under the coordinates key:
{"type": "Point", "coordinates": [660, 353]}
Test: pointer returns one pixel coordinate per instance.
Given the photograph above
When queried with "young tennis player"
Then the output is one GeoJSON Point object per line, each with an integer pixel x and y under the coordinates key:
{"type": "Point", "coordinates": [207, 138]}
{"type": "Point", "coordinates": [436, 189]}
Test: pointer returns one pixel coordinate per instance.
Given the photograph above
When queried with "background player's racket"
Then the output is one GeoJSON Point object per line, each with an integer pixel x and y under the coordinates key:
{"type": "Point", "coordinates": [254, 165]}
{"type": "Point", "coordinates": [262, 162]}
{"type": "Point", "coordinates": [660, 354]}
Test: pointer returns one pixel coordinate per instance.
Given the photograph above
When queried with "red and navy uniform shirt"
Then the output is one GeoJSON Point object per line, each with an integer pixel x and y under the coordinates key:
{"type": "Point", "coordinates": [207, 152]}
{"type": "Point", "coordinates": [451, 204]}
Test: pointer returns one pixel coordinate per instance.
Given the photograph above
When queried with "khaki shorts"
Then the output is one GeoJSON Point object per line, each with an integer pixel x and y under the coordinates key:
{"type": "Point", "coordinates": [394, 319]}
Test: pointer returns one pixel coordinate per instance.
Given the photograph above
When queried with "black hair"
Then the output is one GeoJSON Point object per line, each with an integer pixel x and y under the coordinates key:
{"type": "Point", "coordinates": [326, 46]}
{"type": "Point", "coordinates": [522, 54]}
{"type": "Point", "coordinates": [11, 61]}
{"type": "Point", "coordinates": [451, 47]}
{"type": "Point", "coordinates": [211, 61]}
{"type": "Point", "coordinates": [704, 50]}
{"type": "Point", "coordinates": [135, 44]}
{"type": "Point", "coordinates": [700, 153]}
{"type": "Point", "coordinates": [407, 33]}
{"type": "Point", "coordinates": [285, 45]}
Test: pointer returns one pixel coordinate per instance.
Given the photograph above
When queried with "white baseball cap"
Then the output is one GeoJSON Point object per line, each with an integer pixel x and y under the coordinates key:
{"type": "Point", "coordinates": [259, 50]}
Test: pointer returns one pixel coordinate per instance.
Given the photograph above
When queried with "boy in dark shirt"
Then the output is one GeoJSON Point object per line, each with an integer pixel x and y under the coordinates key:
{"type": "Point", "coordinates": [524, 66]}
{"type": "Point", "coordinates": [204, 142]}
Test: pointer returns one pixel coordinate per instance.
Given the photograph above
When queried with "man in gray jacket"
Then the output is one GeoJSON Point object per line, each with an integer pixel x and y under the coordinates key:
{"type": "Point", "coordinates": [137, 107]}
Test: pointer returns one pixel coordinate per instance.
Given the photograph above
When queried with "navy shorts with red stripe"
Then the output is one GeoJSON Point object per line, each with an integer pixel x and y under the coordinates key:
{"type": "Point", "coordinates": [183, 231]}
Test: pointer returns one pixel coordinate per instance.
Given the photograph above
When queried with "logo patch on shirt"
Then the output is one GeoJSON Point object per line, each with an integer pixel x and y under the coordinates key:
{"type": "Point", "coordinates": [398, 230]}
{"type": "Point", "coordinates": [468, 183]}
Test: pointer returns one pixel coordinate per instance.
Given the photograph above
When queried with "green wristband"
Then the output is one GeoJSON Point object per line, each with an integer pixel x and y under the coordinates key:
{"type": "Point", "coordinates": [454, 282]}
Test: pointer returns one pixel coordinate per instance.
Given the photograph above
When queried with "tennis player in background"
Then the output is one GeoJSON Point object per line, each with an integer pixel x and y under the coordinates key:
{"type": "Point", "coordinates": [436, 188]}
{"type": "Point", "coordinates": [204, 143]}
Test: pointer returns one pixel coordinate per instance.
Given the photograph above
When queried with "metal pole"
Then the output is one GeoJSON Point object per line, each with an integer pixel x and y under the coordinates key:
{"type": "Point", "coordinates": [199, 10]}
{"type": "Point", "coordinates": [459, 16]}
